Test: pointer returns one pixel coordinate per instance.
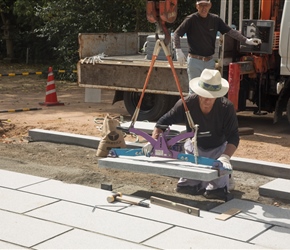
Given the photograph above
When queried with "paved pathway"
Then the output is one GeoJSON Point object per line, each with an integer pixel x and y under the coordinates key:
{"type": "Point", "coordinates": [41, 213]}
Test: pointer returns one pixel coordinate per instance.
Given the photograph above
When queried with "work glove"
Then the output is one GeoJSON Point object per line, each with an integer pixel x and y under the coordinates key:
{"type": "Point", "coordinates": [253, 41]}
{"type": "Point", "coordinates": [224, 167]}
{"type": "Point", "coordinates": [147, 148]}
{"type": "Point", "coordinates": [180, 57]}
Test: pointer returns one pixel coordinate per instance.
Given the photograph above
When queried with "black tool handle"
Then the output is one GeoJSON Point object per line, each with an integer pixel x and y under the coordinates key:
{"type": "Point", "coordinates": [143, 204]}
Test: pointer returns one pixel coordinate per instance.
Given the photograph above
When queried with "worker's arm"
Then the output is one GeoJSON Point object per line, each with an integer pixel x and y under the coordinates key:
{"type": "Point", "coordinates": [238, 36]}
{"type": "Point", "coordinates": [230, 150]}
{"type": "Point", "coordinates": [156, 132]}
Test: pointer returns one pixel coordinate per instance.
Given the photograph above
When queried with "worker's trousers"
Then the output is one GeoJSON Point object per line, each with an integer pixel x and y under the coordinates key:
{"type": "Point", "coordinates": [196, 66]}
{"type": "Point", "coordinates": [214, 153]}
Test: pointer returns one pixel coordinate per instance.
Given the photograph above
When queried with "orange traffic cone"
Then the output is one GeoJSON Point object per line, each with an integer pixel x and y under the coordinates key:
{"type": "Point", "coordinates": [50, 97]}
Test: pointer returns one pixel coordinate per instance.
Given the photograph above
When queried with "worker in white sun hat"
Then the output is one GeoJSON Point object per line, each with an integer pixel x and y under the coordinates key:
{"type": "Point", "coordinates": [215, 114]}
{"type": "Point", "coordinates": [201, 29]}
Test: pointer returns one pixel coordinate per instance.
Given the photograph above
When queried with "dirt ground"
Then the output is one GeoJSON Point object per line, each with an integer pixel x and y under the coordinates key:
{"type": "Point", "coordinates": [79, 165]}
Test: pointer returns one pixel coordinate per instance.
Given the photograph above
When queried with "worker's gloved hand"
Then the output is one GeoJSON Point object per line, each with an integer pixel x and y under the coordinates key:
{"type": "Point", "coordinates": [253, 41]}
{"type": "Point", "coordinates": [147, 148]}
{"type": "Point", "coordinates": [224, 166]}
{"type": "Point", "coordinates": [180, 57]}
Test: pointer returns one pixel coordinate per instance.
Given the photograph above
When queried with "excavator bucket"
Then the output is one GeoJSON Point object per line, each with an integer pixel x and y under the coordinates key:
{"type": "Point", "coordinates": [168, 10]}
{"type": "Point", "coordinates": [151, 11]}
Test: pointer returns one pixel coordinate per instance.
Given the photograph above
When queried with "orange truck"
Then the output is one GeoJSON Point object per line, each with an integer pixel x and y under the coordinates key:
{"type": "Point", "coordinates": [258, 75]}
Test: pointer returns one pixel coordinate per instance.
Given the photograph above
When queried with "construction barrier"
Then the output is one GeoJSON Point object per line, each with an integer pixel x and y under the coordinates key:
{"type": "Point", "coordinates": [19, 110]}
{"type": "Point", "coordinates": [37, 73]}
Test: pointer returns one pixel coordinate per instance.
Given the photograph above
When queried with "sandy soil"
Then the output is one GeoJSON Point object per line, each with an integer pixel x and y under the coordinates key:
{"type": "Point", "coordinates": [75, 164]}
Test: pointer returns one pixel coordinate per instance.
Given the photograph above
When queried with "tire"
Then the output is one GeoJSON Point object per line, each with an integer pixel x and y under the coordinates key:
{"type": "Point", "coordinates": [153, 106]}
{"type": "Point", "coordinates": [288, 110]}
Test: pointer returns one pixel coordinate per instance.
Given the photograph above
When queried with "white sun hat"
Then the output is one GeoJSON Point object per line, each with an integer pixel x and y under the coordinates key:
{"type": "Point", "coordinates": [202, 1]}
{"type": "Point", "coordinates": [210, 84]}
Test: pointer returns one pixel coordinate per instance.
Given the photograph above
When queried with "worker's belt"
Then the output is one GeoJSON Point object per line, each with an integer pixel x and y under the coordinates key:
{"type": "Point", "coordinates": [202, 58]}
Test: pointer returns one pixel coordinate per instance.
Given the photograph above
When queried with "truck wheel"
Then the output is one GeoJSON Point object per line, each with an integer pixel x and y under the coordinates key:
{"type": "Point", "coordinates": [153, 106]}
{"type": "Point", "coordinates": [288, 110]}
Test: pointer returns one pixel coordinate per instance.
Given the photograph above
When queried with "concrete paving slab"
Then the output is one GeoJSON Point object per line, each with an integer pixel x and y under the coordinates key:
{"type": "Point", "coordinates": [274, 238]}
{"type": "Point", "coordinates": [272, 169]}
{"type": "Point", "coordinates": [257, 212]}
{"type": "Point", "coordinates": [69, 138]}
{"type": "Point", "coordinates": [26, 231]}
{"type": "Point", "coordinates": [21, 202]}
{"type": "Point", "coordinates": [5, 245]}
{"type": "Point", "coordinates": [278, 188]}
{"type": "Point", "coordinates": [62, 137]}
{"type": "Point", "coordinates": [181, 238]}
{"type": "Point", "coordinates": [165, 167]}
{"type": "Point", "coordinates": [234, 228]}
{"type": "Point", "coordinates": [70, 222]}
{"type": "Point", "coordinates": [76, 193]}
{"type": "Point", "coordinates": [80, 239]}
{"type": "Point", "coordinates": [102, 221]}
{"type": "Point", "coordinates": [17, 180]}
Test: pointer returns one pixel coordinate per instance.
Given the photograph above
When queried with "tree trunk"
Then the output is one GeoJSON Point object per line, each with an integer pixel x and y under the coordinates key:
{"type": "Point", "coordinates": [7, 31]}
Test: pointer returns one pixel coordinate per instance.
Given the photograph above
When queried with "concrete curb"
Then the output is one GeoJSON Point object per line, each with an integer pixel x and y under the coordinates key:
{"type": "Point", "coordinates": [272, 169]}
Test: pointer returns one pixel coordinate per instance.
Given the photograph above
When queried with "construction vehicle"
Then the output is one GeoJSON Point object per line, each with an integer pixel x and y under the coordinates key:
{"type": "Point", "coordinates": [258, 75]}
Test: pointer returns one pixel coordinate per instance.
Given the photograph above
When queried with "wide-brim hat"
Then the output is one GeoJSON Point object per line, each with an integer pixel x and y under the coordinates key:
{"type": "Point", "coordinates": [210, 84]}
{"type": "Point", "coordinates": [202, 1]}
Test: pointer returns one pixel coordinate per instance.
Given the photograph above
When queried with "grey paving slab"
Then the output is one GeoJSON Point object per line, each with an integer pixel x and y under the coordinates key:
{"type": "Point", "coordinates": [20, 202]}
{"type": "Point", "coordinates": [101, 221]}
{"type": "Point", "coordinates": [272, 169]}
{"type": "Point", "coordinates": [278, 188]}
{"type": "Point", "coordinates": [27, 231]}
{"type": "Point", "coordinates": [5, 245]}
{"type": "Point", "coordinates": [62, 137]}
{"type": "Point", "coordinates": [17, 180]}
{"type": "Point", "coordinates": [181, 238]}
{"type": "Point", "coordinates": [80, 239]}
{"type": "Point", "coordinates": [69, 138]}
{"type": "Point", "coordinates": [274, 238]}
{"type": "Point", "coordinates": [163, 167]}
{"type": "Point", "coordinates": [235, 228]}
{"type": "Point", "coordinates": [257, 212]}
{"type": "Point", "coordinates": [75, 193]}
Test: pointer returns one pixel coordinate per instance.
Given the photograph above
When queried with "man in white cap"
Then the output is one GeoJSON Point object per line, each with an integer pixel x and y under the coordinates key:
{"type": "Point", "coordinates": [201, 30]}
{"type": "Point", "coordinates": [215, 114]}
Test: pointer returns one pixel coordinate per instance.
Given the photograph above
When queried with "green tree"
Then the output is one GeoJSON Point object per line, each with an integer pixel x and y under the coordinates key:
{"type": "Point", "coordinates": [48, 29]}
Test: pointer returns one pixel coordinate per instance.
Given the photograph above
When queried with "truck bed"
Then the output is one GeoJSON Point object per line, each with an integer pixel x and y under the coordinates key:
{"type": "Point", "coordinates": [128, 73]}
{"type": "Point", "coordinates": [124, 68]}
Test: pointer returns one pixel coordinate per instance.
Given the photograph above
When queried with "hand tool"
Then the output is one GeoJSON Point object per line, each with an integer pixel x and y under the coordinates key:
{"type": "Point", "coordinates": [174, 205]}
{"type": "Point", "coordinates": [117, 197]}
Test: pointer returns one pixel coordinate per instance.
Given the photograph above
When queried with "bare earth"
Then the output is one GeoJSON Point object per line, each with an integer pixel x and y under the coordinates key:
{"type": "Point", "coordinates": [79, 165]}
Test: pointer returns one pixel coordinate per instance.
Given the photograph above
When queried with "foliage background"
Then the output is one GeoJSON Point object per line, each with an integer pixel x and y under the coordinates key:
{"type": "Point", "coordinates": [46, 31]}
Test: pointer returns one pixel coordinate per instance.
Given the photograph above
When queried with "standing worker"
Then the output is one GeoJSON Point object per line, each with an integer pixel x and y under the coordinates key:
{"type": "Point", "coordinates": [214, 114]}
{"type": "Point", "coordinates": [201, 29]}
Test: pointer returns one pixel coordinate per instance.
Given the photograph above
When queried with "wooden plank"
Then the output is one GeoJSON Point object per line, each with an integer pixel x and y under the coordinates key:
{"type": "Point", "coordinates": [160, 166]}
{"type": "Point", "coordinates": [228, 214]}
